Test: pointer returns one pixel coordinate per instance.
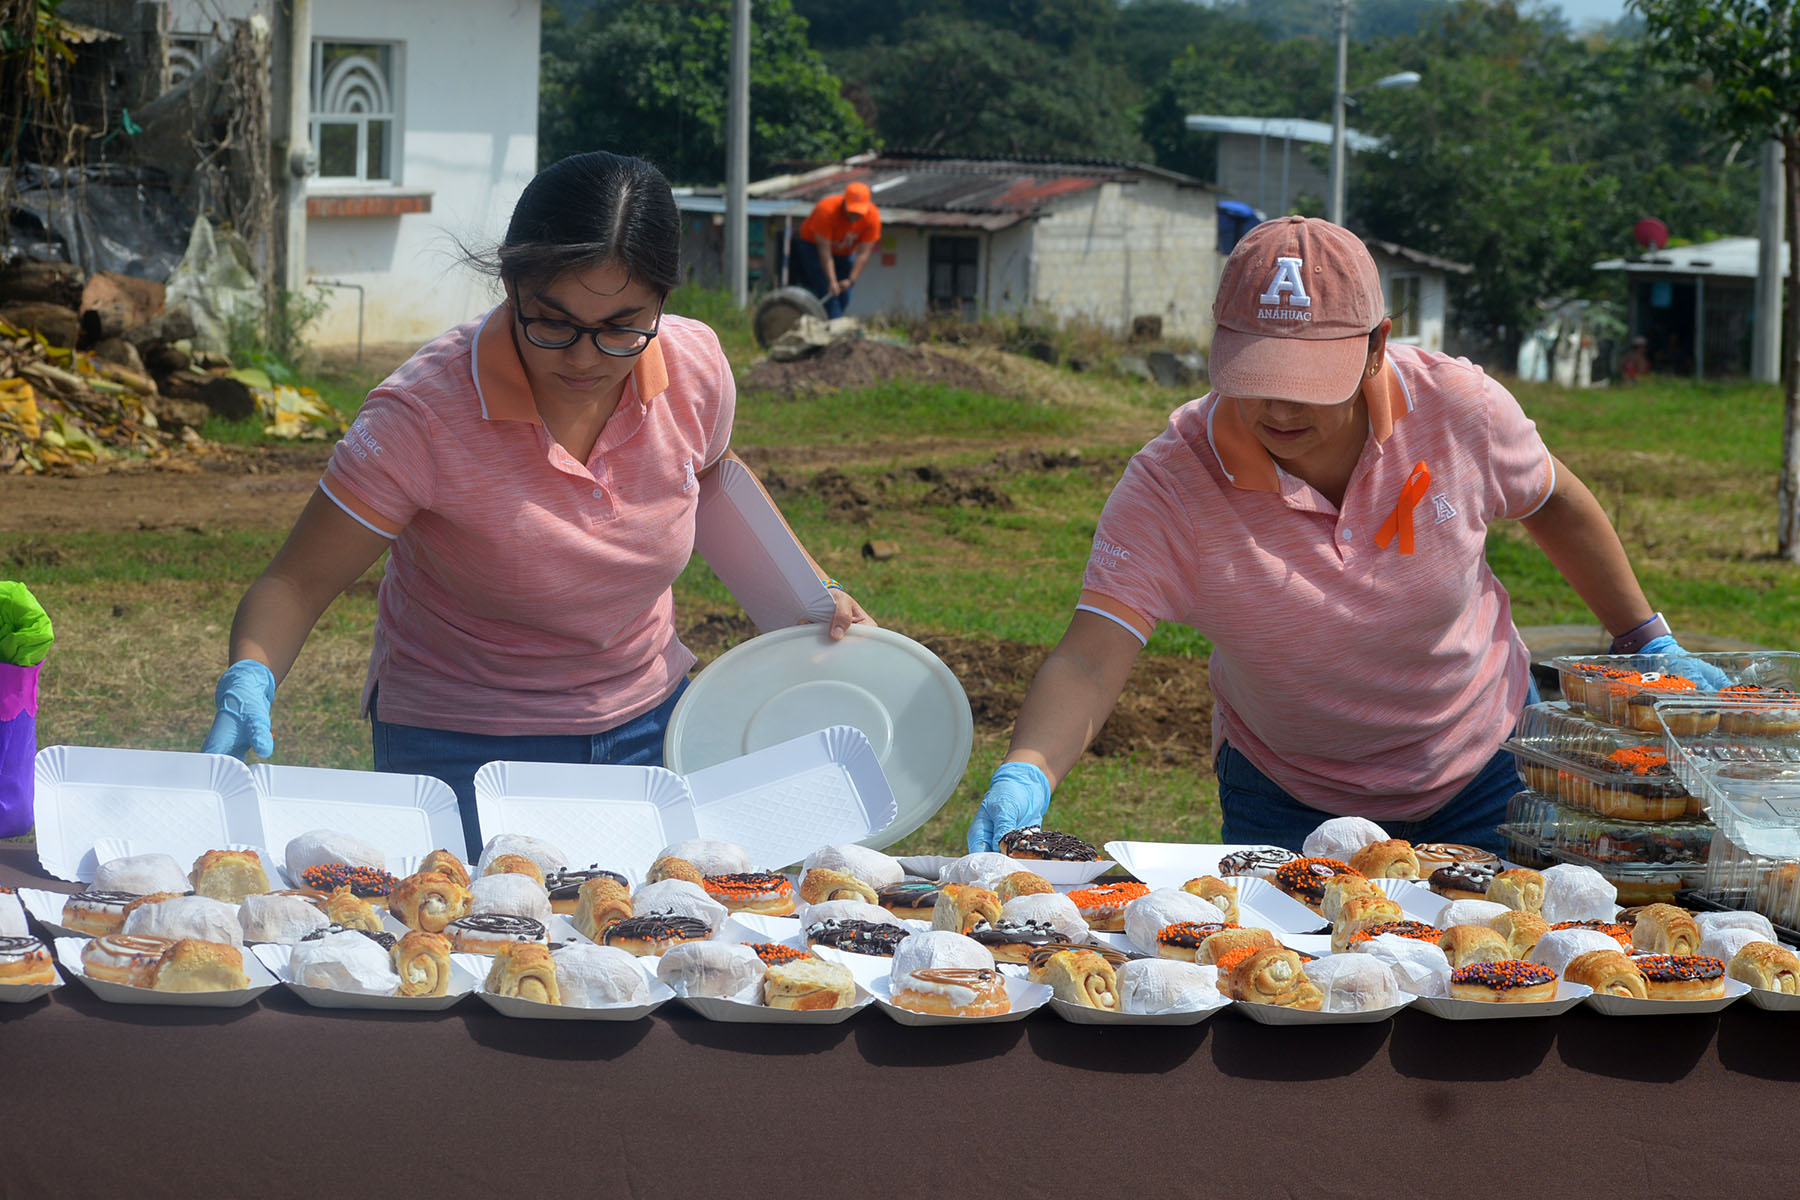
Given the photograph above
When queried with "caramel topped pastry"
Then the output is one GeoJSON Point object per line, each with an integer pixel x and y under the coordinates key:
{"type": "Point", "coordinates": [362, 881]}
{"type": "Point", "coordinates": [1033, 842]}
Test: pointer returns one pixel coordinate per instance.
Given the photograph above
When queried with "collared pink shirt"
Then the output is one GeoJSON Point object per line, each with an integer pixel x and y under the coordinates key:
{"type": "Point", "coordinates": [528, 592]}
{"type": "Point", "coordinates": [1362, 680]}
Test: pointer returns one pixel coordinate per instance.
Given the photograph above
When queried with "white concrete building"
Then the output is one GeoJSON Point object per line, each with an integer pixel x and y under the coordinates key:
{"type": "Point", "coordinates": [424, 121]}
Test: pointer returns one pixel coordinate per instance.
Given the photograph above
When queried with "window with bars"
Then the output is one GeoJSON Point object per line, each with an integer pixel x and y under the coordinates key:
{"type": "Point", "coordinates": [353, 111]}
{"type": "Point", "coordinates": [1403, 304]}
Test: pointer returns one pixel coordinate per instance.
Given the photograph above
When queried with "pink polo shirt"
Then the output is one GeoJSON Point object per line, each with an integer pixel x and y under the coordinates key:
{"type": "Point", "coordinates": [527, 592]}
{"type": "Point", "coordinates": [1362, 680]}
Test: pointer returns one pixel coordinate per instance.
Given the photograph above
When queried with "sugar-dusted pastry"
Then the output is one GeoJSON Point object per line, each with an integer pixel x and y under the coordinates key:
{"type": "Point", "coordinates": [345, 961]}
{"type": "Point", "coordinates": [445, 863]}
{"type": "Point", "coordinates": [484, 933]}
{"type": "Point", "coordinates": [808, 985]}
{"type": "Point", "coordinates": [422, 961]}
{"type": "Point", "coordinates": [983, 869]}
{"type": "Point", "coordinates": [197, 917]}
{"type": "Point", "coordinates": [429, 901]}
{"type": "Point", "coordinates": [1082, 977]}
{"type": "Point", "coordinates": [1047, 908]}
{"type": "Point", "coordinates": [1031, 842]}
{"type": "Point", "coordinates": [25, 960]}
{"type": "Point", "coordinates": [874, 868]}
{"type": "Point", "coordinates": [140, 874]}
{"type": "Point", "coordinates": [564, 887]}
{"type": "Point", "coordinates": [669, 867]}
{"type": "Point", "coordinates": [1520, 887]}
{"type": "Point", "coordinates": [229, 875]}
{"type": "Point", "coordinates": [650, 934]}
{"type": "Point", "coordinates": [1509, 981]}
{"type": "Point", "coordinates": [1520, 929]}
{"type": "Point", "coordinates": [678, 897]}
{"type": "Point", "coordinates": [1149, 914]}
{"type": "Point", "coordinates": [322, 847]}
{"type": "Point", "coordinates": [1103, 905]}
{"type": "Point", "coordinates": [1392, 858]}
{"type": "Point", "coordinates": [346, 908]}
{"type": "Point", "coordinates": [1270, 975]}
{"type": "Point", "coordinates": [512, 894]}
{"type": "Point", "coordinates": [1665, 929]}
{"type": "Point", "coordinates": [598, 976]}
{"type": "Point", "coordinates": [192, 965]}
{"type": "Point", "coordinates": [1221, 944]}
{"type": "Point", "coordinates": [1681, 976]}
{"type": "Point", "coordinates": [95, 912]}
{"type": "Point", "coordinates": [1216, 892]}
{"type": "Point", "coordinates": [524, 970]}
{"type": "Point", "coordinates": [599, 904]}
{"type": "Point", "coordinates": [1340, 837]}
{"type": "Point", "coordinates": [1767, 966]}
{"type": "Point", "coordinates": [1159, 985]}
{"type": "Point", "coordinates": [1577, 893]}
{"type": "Point", "coordinates": [1722, 943]}
{"type": "Point", "coordinates": [768, 893]}
{"type": "Point", "coordinates": [283, 919]}
{"type": "Point", "coordinates": [1022, 883]}
{"type": "Point", "coordinates": [1420, 967]}
{"type": "Point", "coordinates": [1608, 972]}
{"type": "Point", "coordinates": [1708, 921]}
{"type": "Point", "coordinates": [712, 969]}
{"type": "Point", "coordinates": [514, 864]}
{"type": "Point", "coordinates": [1340, 888]}
{"type": "Point", "coordinates": [937, 948]}
{"type": "Point", "coordinates": [823, 883]}
{"type": "Point", "coordinates": [547, 856]}
{"type": "Point", "coordinates": [1354, 983]}
{"type": "Point", "coordinates": [711, 855]}
{"type": "Point", "coordinates": [953, 991]}
{"type": "Point", "coordinates": [960, 907]}
{"type": "Point", "coordinates": [1466, 944]}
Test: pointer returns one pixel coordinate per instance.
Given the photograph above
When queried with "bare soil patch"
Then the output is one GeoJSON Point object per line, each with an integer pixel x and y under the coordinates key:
{"type": "Point", "coordinates": [864, 362]}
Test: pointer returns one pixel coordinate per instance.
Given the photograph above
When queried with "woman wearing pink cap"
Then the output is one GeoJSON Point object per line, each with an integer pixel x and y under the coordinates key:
{"type": "Point", "coordinates": [1322, 518]}
{"type": "Point", "coordinates": [834, 245]}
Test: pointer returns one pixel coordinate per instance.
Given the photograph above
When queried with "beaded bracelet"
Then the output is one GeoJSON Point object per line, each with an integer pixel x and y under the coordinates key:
{"type": "Point", "coordinates": [831, 583]}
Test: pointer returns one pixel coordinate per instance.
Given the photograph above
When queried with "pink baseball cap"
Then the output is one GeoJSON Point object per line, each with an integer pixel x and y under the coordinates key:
{"type": "Point", "coordinates": [1297, 301]}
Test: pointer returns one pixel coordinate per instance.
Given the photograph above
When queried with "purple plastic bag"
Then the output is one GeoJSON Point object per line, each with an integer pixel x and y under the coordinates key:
{"type": "Point", "coordinates": [18, 746]}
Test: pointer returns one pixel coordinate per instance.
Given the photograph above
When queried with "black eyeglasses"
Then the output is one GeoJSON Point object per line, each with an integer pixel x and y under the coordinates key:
{"type": "Point", "coordinates": [620, 341]}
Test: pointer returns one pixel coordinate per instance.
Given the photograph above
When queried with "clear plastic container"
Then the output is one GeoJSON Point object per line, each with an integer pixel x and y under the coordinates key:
{"type": "Point", "coordinates": [1744, 769]}
{"type": "Point", "coordinates": [1603, 771]}
{"type": "Point", "coordinates": [1565, 827]}
{"type": "Point", "coordinates": [1621, 689]}
{"type": "Point", "coordinates": [1638, 883]}
{"type": "Point", "coordinates": [1738, 879]}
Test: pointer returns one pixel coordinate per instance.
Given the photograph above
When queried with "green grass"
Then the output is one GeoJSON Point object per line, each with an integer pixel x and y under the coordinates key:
{"type": "Point", "coordinates": [892, 409]}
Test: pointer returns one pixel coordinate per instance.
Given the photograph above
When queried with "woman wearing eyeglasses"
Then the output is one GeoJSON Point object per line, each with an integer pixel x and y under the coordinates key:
{"type": "Point", "coordinates": [534, 475]}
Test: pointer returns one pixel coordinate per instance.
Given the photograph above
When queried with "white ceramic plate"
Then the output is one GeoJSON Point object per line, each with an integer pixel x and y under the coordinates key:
{"type": "Point", "coordinates": [591, 812]}
{"type": "Point", "coordinates": [1274, 1014]}
{"type": "Point", "coordinates": [1027, 998]}
{"type": "Point", "coordinates": [723, 1008]}
{"type": "Point", "coordinates": [796, 681]}
{"type": "Point", "coordinates": [1631, 1006]}
{"type": "Point", "coordinates": [68, 953]}
{"type": "Point", "coordinates": [1081, 1014]}
{"type": "Point", "coordinates": [1568, 995]}
{"type": "Point", "coordinates": [407, 816]}
{"type": "Point", "coordinates": [275, 957]}
{"type": "Point", "coordinates": [167, 801]}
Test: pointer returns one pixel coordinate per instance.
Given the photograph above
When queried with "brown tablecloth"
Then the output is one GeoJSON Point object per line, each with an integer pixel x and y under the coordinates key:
{"type": "Point", "coordinates": [277, 1099]}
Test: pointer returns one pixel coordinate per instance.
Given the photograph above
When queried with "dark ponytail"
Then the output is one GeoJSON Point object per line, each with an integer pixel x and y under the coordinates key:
{"type": "Point", "coordinates": [590, 209]}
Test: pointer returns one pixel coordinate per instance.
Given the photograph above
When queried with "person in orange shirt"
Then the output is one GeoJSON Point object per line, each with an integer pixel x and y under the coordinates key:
{"type": "Point", "coordinates": [835, 243]}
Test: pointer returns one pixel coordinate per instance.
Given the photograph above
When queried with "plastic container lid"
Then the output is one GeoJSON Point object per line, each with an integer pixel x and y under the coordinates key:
{"type": "Point", "coordinates": [792, 682]}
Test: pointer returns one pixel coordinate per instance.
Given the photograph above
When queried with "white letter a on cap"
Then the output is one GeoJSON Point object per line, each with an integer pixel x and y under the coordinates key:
{"type": "Point", "coordinates": [1287, 279]}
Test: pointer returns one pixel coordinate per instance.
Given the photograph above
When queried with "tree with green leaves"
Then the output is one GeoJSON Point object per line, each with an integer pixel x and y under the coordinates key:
{"type": "Point", "coordinates": [1745, 54]}
{"type": "Point", "coordinates": [652, 80]}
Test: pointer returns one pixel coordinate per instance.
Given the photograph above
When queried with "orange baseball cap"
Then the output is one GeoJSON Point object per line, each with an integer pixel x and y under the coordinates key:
{"type": "Point", "coordinates": [1296, 303]}
{"type": "Point", "coordinates": [857, 199]}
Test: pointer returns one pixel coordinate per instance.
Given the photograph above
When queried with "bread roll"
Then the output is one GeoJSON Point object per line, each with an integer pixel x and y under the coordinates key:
{"type": "Point", "coordinates": [445, 863]}
{"type": "Point", "coordinates": [1341, 888]}
{"type": "Point", "coordinates": [1767, 966]}
{"type": "Point", "coordinates": [1022, 883]}
{"type": "Point", "coordinates": [600, 904]}
{"type": "Point", "coordinates": [524, 970]}
{"type": "Point", "coordinates": [514, 864]}
{"type": "Point", "coordinates": [960, 908]}
{"type": "Point", "coordinates": [196, 966]}
{"type": "Point", "coordinates": [1392, 858]}
{"type": "Point", "coordinates": [229, 875]}
{"type": "Point", "coordinates": [429, 901]}
{"type": "Point", "coordinates": [1466, 944]}
{"type": "Point", "coordinates": [1082, 977]}
{"type": "Point", "coordinates": [1665, 929]}
{"type": "Point", "coordinates": [1270, 976]}
{"type": "Point", "coordinates": [422, 961]}
{"type": "Point", "coordinates": [1520, 929]}
{"type": "Point", "coordinates": [824, 883]}
{"type": "Point", "coordinates": [1520, 888]}
{"type": "Point", "coordinates": [1608, 972]}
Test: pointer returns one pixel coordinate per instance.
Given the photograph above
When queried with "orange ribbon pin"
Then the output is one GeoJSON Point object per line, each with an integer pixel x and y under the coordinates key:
{"type": "Point", "coordinates": [1400, 520]}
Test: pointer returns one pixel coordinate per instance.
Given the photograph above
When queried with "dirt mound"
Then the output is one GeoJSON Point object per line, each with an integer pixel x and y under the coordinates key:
{"type": "Point", "coordinates": [1165, 714]}
{"type": "Point", "coordinates": [861, 363]}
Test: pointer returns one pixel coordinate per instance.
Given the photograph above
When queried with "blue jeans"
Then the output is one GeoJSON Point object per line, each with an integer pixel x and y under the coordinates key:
{"type": "Point", "coordinates": [812, 269]}
{"type": "Point", "coordinates": [1257, 812]}
{"type": "Point", "coordinates": [455, 757]}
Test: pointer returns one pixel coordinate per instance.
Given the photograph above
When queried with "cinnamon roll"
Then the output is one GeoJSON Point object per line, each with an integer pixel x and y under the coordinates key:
{"type": "Point", "coordinates": [422, 960]}
{"type": "Point", "coordinates": [1271, 975]}
{"type": "Point", "coordinates": [429, 901]}
{"type": "Point", "coordinates": [524, 970]}
{"type": "Point", "coordinates": [1082, 977]}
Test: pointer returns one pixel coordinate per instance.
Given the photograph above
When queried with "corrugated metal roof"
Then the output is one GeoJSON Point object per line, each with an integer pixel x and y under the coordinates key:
{"type": "Point", "coordinates": [1294, 129]}
{"type": "Point", "coordinates": [1419, 256]}
{"type": "Point", "coordinates": [1727, 257]}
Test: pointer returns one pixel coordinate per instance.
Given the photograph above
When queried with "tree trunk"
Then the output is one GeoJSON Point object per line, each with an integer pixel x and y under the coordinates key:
{"type": "Point", "coordinates": [1787, 489]}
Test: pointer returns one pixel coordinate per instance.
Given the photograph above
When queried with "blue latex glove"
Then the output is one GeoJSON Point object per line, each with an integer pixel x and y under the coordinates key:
{"type": "Point", "coordinates": [1707, 676]}
{"type": "Point", "coordinates": [1018, 795]}
{"type": "Point", "coordinates": [244, 694]}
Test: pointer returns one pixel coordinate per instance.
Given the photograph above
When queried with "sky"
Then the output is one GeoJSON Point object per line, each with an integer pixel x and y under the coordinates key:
{"type": "Point", "coordinates": [1582, 13]}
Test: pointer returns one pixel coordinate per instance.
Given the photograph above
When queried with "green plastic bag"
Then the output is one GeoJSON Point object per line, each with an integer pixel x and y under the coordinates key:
{"type": "Point", "coordinates": [25, 633]}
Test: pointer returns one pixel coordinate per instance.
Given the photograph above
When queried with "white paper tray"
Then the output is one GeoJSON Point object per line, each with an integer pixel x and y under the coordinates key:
{"type": "Point", "coordinates": [866, 969]}
{"type": "Point", "coordinates": [68, 953]}
{"type": "Point", "coordinates": [46, 909]}
{"type": "Point", "coordinates": [1568, 995]}
{"type": "Point", "coordinates": [1169, 864]}
{"type": "Point", "coordinates": [1774, 1001]}
{"type": "Point", "coordinates": [530, 1010]}
{"type": "Point", "coordinates": [1081, 1014]}
{"type": "Point", "coordinates": [14, 907]}
{"type": "Point", "coordinates": [1281, 912]}
{"type": "Point", "coordinates": [1274, 1014]}
{"type": "Point", "coordinates": [1417, 901]}
{"type": "Point", "coordinates": [737, 1012]}
{"type": "Point", "coordinates": [604, 814]}
{"type": "Point", "coordinates": [175, 803]}
{"type": "Point", "coordinates": [407, 816]}
{"type": "Point", "coordinates": [1631, 1006]}
{"type": "Point", "coordinates": [275, 957]}
{"type": "Point", "coordinates": [1066, 874]}
{"type": "Point", "coordinates": [1027, 998]}
{"type": "Point", "coordinates": [24, 993]}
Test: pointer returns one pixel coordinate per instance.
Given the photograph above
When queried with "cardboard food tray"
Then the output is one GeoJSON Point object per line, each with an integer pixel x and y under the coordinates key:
{"type": "Point", "coordinates": [1631, 1006]}
{"type": "Point", "coordinates": [407, 816]}
{"type": "Point", "coordinates": [68, 953]}
{"type": "Point", "coordinates": [175, 803]}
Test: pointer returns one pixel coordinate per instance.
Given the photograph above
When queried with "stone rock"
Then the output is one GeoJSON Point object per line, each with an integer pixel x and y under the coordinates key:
{"type": "Point", "coordinates": [55, 323]}
{"type": "Point", "coordinates": [1134, 366]}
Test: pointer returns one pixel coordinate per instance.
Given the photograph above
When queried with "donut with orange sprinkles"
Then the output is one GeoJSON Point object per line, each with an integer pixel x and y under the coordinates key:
{"type": "Point", "coordinates": [362, 881]}
{"type": "Point", "coordinates": [1682, 976]}
{"type": "Point", "coordinates": [1304, 879]}
{"type": "Point", "coordinates": [1612, 929]}
{"type": "Point", "coordinates": [1509, 981]}
{"type": "Point", "coordinates": [1103, 906]}
{"type": "Point", "coordinates": [1419, 931]}
{"type": "Point", "coordinates": [767, 892]}
{"type": "Point", "coordinates": [773, 953]}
